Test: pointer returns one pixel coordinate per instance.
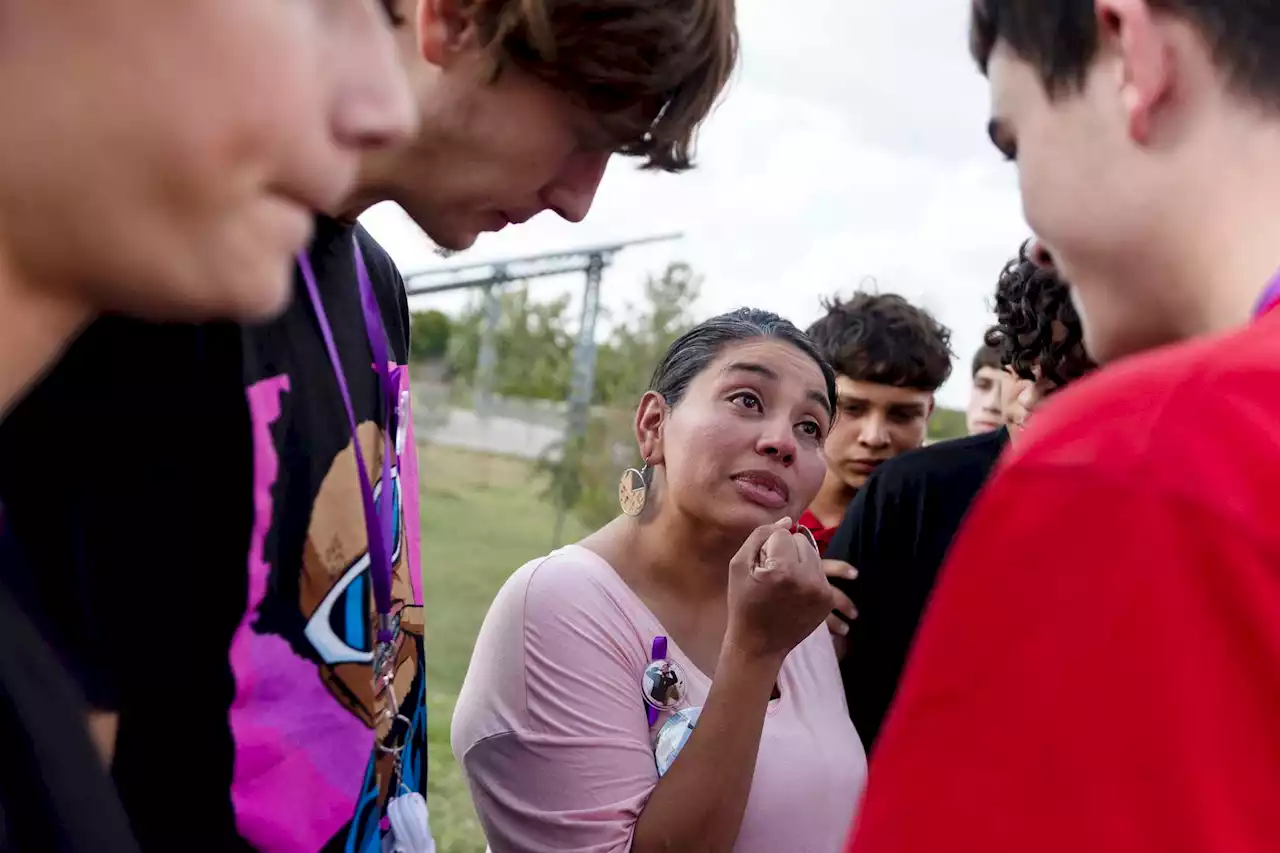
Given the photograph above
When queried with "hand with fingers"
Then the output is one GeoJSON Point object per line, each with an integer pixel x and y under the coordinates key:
{"type": "Point", "coordinates": [778, 593]}
{"type": "Point", "coordinates": [842, 609]}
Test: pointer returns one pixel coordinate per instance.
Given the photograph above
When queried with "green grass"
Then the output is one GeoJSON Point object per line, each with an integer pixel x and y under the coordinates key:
{"type": "Point", "coordinates": [482, 518]}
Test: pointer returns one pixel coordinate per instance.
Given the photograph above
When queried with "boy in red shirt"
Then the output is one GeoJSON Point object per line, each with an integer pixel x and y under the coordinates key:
{"type": "Point", "coordinates": [890, 357]}
{"type": "Point", "coordinates": [1099, 667]}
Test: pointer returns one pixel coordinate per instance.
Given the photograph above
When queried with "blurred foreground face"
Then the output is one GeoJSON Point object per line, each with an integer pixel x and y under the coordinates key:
{"type": "Point", "coordinates": [165, 157]}
{"type": "Point", "coordinates": [1081, 194]}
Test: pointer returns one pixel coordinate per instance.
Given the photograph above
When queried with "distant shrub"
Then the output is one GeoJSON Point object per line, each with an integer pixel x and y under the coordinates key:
{"type": "Point", "coordinates": [429, 335]}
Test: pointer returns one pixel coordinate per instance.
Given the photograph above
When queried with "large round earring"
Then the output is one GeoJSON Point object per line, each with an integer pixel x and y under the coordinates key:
{"type": "Point", "coordinates": [633, 488]}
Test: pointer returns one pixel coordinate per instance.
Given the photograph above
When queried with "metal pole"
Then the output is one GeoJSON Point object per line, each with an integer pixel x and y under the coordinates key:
{"type": "Point", "coordinates": [583, 384]}
{"type": "Point", "coordinates": [584, 352]}
{"type": "Point", "coordinates": [533, 262]}
{"type": "Point", "coordinates": [491, 275]}
{"type": "Point", "coordinates": [487, 361]}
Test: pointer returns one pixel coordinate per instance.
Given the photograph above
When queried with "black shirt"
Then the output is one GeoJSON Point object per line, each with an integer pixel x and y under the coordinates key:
{"type": "Point", "coordinates": [55, 794]}
{"type": "Point", "coordinates": [190, 501]}
{"type": "Point", "coordinates": [896, 533]}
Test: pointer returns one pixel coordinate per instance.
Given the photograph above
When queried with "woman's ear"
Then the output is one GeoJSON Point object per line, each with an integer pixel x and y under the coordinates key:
{"type": "Point", "coordinates": [651, 416]}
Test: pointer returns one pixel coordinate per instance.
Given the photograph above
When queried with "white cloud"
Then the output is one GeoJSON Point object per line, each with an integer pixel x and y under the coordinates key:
{"type": "Point", "coordinates": [851, 145]}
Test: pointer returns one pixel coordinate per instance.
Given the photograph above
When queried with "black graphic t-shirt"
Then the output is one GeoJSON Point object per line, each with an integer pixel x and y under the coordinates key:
{"type": "Point", "coordinates": [202, 568]}
{"type": "Point", "coordinates": [55, 796]}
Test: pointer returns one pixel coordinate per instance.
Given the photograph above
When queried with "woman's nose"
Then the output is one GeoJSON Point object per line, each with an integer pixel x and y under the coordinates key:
{"type": "Point", "coordinates": [778, 443]}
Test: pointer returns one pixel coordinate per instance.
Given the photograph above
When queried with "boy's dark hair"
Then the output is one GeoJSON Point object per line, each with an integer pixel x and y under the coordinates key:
{"type": "Point", "coordinates": [1037, 324]}
{"type": "Point", "coordinates": [986, 356]}
{"type": "Point", "coordinates": [649, 71]}
{"type": "Point", "coordinates": [883, 338]}
{"type": "Point", "coordinates": [1060, 37]}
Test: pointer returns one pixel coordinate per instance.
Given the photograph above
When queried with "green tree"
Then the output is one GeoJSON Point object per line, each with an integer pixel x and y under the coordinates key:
{"type": "Point", "coordinates": [947, 423]}
{"type": "Point", "coordinates": [532, 341]}
{"type": "Point", "coordinates": [627, 359]}
{"type": "Point", "coordinates": [584, 473]}
{"type": "Point", "coordinates": [429, 335]}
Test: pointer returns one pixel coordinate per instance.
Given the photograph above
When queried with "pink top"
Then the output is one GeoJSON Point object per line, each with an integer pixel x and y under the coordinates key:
{"type": "Point", "coordinates": [551, 730]}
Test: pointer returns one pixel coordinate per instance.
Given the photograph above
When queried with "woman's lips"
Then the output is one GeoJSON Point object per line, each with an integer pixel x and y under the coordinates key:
{"type": "Point", "coordinates": [763, 488]}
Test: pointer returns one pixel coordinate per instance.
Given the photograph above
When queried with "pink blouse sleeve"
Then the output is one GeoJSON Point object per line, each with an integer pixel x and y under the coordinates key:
{"type": "Point", "coordinates": [550, 726]}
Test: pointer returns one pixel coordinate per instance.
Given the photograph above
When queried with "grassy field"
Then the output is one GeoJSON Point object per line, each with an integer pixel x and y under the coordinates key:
{"type": "Point", "coordinates": [482, 518]}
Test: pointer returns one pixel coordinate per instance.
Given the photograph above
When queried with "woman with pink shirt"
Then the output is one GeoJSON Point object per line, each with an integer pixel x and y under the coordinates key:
{"type": "Point", "coordinates": [668, 682]}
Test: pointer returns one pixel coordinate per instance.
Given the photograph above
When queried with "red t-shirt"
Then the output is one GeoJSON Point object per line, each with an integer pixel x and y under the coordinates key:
{"type": "Point", "coordinates": [1099, 667]}
{"type": "Point", "coordinates": [821, 535]}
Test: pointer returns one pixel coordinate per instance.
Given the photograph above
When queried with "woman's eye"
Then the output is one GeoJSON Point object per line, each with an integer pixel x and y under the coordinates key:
{"type": "Point", "coordinates": [747, 400]}
{"type": "Point", "coordinates": [811, 429]}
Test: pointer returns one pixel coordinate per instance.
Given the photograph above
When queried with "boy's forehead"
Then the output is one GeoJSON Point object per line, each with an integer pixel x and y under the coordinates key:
{"type": "Point", "coordinates": [849, 389]}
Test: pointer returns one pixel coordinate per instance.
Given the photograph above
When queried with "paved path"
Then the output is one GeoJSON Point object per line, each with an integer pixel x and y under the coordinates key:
{"type": "Point", "coordinates": [465, 429]}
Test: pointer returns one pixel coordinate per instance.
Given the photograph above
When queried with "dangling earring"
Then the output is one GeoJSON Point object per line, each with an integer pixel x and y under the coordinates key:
{"type": "Point", "coordinates": [632, 491]}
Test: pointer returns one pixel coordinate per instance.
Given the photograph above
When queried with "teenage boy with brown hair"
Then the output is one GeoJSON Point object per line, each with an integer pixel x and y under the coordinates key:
{"type": "Point", "coordinates": [890, 358]}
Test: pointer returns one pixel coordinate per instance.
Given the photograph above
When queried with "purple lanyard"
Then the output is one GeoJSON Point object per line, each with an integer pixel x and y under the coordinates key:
{"type": "Point", "coordinates": [658, 651]}
{"type": "Point", "coordinates": [379, 527]}
{"type": "Point", "coordinates": [1269, 299]}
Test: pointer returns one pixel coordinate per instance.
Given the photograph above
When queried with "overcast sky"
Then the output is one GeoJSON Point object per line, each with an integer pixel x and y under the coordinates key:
{"type": "Point", "coordinates": [852, 149]}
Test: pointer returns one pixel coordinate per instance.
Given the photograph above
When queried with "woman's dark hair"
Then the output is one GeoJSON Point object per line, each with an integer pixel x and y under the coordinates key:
{"type": "Point", "coordinates": [1036, 323]}
{"type": "Point", "coordinates": [698, 347]}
